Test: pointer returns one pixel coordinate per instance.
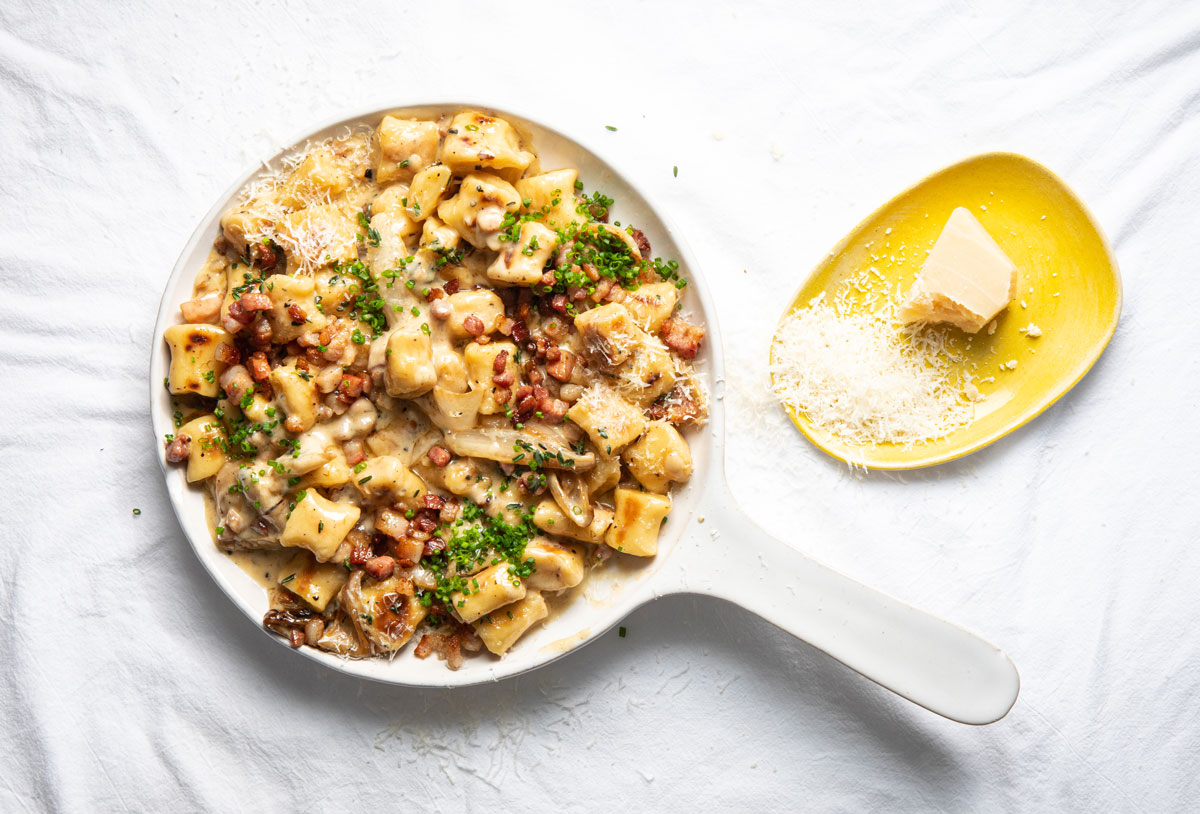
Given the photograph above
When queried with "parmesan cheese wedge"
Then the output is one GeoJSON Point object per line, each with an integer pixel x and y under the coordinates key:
{"type": "Point", "coordinates": [966, 280]}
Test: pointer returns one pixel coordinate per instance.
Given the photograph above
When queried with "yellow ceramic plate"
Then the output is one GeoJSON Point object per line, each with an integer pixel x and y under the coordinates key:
{"type": "Point", "coordinates": [1069, 287]}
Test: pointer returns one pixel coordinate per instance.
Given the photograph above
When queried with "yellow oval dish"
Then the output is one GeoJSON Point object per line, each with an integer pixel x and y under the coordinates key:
{"type": "Point", "coordinates": [1069, 287]}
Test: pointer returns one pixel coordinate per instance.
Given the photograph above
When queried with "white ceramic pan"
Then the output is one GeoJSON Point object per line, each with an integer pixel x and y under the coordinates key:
{"type": "Point", "coordinates": [708, 545]}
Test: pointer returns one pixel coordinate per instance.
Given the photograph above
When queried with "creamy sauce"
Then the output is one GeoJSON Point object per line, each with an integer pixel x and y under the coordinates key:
{"type": "Point", "coordinates": [567, 642]}
{"type": "Point", "coordinates": [264, 567]}
{"type": "Point", "coordinates": [315, 211]}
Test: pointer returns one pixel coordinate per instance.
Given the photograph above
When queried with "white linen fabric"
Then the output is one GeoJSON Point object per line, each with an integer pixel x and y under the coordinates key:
{"type": "Point", "coordinates": [130, 683]}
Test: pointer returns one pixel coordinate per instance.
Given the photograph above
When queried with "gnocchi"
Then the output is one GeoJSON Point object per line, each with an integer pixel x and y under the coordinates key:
{"type": "Point", "coordinates": [422, 383]}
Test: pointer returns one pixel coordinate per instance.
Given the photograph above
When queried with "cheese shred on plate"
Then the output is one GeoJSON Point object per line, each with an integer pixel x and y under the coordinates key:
{"type": "Point", "coordinates": [866, 378]}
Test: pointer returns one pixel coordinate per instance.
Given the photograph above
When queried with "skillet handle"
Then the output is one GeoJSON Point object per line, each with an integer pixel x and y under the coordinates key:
{"type": "Point", "coordinates": [916, 655]}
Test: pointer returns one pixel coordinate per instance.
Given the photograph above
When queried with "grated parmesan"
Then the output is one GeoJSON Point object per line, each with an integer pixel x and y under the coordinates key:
{"type": "Point", "coordinates": [260, 200]}
{"type": "Point", "coordinates": [867, 378]}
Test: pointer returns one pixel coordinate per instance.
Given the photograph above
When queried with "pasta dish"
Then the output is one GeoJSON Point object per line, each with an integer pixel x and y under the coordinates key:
{"type": "Point", "coordinates": [428, 385]}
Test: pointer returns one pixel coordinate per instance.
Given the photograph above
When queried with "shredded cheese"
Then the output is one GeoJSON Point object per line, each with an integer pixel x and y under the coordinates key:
{"type": "Point", "coordinates": [260, 200]}
{"type": "Point", "coordinates": [867, 378]}
{"type": "Point", "coordinates": [602, 402]}
{"type": "Point", "coordinates": [689, 388]}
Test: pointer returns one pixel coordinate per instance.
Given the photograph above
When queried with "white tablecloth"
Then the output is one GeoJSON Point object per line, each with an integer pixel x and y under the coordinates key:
{"type": "Point", "coordinates": [129, 682]}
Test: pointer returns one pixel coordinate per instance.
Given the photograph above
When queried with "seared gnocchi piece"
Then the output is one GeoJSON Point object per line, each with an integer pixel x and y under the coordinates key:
{"type": "Point", "coordinates": [294, 310]}
{"type": "Point", "coordinates": [387, 479]}
{"type": "Point", "coordinates": [552, 195]}
{"type": "Point", "coordinates": [555, 565]}
{"type": "Point", "coordinates": [488, 590]}
{"type": "Point", "coordinates": [317, 583]}
{"type": "Point", "coordinates": [334, 472]}
{"type": "Point", "coordinates": [409, 366]}
{"type": "Point", "coordinates": [474, 313]}
{"type": "Point", "coordinates": [194, 363]}
{"type": "Point", "coordinates": [651, 304]}
{"type": "Point", "coordinates": [406, 146]}
{"type": "Point", "coordinates": [425, 193]}
{"type": "Point", "coordinates": [487, 365]}
{"type": "Point", "coordinates": [608, 418]}
{"type": "Point", "coordinates": [477, 212]}
{"type": "Point", "coordinates": [609, 334]}
{"type": "Point", "coordinates": [319, 524]}
{"type": "Point", "coordinates": [317, 236]}
{"type": "Point", "coordinates": [206, 439]}
{"type": "Point", "coordinates": [659, 458]}
{"type": "Point", "coordinates": [323, 174]}
{"type": "Point", "coordinates": [636, 522]}
{"type": "Point", "coordinates": [639, 364]}
{"type": "Point", "coordinates": [501, 628]}
{"type": "Point", "coordinates": [523, 263]}
{"type": "Point", "coordinates": [475, 140]}
{"type": "Point", "coordinates": [297, 394]}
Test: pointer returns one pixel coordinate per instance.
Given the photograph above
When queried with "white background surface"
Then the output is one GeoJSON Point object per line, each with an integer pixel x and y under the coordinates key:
{"type": "Point", "coordinates": [129, 682]}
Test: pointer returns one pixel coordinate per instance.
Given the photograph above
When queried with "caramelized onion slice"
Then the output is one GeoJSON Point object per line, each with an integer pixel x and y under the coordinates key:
{"type": "Point", "coordinates": [521, 447]}
{"type": "Point", "coordinates": [456, 411]}
{"type": "Point", "coordinates": [571, 494]}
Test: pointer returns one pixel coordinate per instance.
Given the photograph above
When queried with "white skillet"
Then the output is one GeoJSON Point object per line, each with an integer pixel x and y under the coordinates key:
{"type": "Point", "coordinates": [708, 545]}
